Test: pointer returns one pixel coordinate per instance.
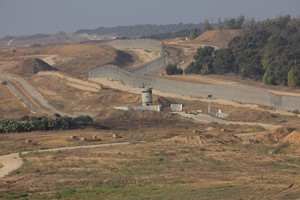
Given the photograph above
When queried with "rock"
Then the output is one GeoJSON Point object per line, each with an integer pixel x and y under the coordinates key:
{"type": "Point", "coordinates": [73, 137]}
{"type": "Point", "coordinates": [27, 141]}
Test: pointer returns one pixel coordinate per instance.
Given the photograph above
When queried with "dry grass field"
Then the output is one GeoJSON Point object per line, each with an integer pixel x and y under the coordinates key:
{"type": "Point", "coordinates": [174, 162]}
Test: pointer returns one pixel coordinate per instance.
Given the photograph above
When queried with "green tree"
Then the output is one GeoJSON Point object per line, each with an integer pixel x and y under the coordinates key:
{"type": "Point", "coordinates": [294, 77]}
{"type": "Point", "coordinates": [204, 56]}
{"type": "Point", "coordinates": [268, 77]}
{"type": "Point", "coordinates": [173, 69]}
{"type": "Point", "coordinates": [193, 34]}
{"type": "Point", "coordinates": [223, 61]}
{"type": "Point", "coordinates": [206, 26]}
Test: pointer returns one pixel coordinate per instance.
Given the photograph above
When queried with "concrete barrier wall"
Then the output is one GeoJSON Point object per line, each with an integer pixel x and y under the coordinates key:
{"type": "Point", "coordinates": [242, 94]}
{"type": "Point", "coordinates": [152, 45]}
{"type": "Point", "coordinates": [151, 66]}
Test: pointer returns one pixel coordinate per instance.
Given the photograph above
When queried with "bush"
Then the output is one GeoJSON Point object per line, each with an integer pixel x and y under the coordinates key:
{"type": "Point", "coordinates": [173, 70]}
{"type": "Point", "coordinates": [4, 83]}
{"type": "Point", "coordinates": [296, 112]}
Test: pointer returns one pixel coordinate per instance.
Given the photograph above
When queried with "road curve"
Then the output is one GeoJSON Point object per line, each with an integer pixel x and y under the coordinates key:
{"type": "Point", "coordinates": [12, 162]}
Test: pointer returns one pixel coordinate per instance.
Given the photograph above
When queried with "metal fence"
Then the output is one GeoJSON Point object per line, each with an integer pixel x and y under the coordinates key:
{"type": "Point", "coordinates": [242, 94]}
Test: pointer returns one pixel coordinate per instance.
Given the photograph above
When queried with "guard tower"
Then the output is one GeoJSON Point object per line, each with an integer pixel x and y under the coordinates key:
{"type": "Point", "coordinates": [146, 96]}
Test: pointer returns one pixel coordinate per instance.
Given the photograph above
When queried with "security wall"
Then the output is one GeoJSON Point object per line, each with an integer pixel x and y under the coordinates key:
{"type": "Point", "coordinates": [242, 94]}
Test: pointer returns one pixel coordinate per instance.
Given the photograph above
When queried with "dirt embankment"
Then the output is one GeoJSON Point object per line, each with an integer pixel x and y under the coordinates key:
{"type": "Point", "coordinates": [182, 51]}
{"type": "Point", "coordinates": [73, 59]}
{"type": "Point", "coordinates": [219, 38]}
{"type": "Point", "coordinates": [73, 82]}
{"type": "Point", "coordinates": [31, 66]}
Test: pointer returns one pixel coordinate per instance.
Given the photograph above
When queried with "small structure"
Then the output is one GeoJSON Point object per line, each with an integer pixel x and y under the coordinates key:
{"type": "Point", "coordinates": [146, 102]}
{"type": "Point", "coordinates": [146, 96]}
{"type": "Point", "coordinates": [176, 107]}
{"type": "Point", "coordinates": [222, 115]}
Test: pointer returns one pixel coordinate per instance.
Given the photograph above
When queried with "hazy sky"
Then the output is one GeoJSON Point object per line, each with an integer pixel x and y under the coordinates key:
{"type": "Point", "coordinates": [25, 17]}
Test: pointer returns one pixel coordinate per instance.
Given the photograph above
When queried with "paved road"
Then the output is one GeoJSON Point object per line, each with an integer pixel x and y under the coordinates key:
{"type": "Point", "coordinates": [38, 97]}
{"type": "Point", "coordinates": [13, 161]}
{"type": "Point", "coordinates": [48, 109]}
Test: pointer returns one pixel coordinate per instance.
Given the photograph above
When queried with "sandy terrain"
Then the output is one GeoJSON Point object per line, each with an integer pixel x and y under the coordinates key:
{"type": "Point", "coordinates": [9, 163]}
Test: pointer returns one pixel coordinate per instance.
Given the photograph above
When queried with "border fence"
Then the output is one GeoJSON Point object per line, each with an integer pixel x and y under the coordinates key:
{"type": "Point", "coordinates": [242, 94]}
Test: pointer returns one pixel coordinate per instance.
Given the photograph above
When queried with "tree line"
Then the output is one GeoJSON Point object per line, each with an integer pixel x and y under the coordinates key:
{"type": "Point", "coordinates": [145, 30]}
{"type": "Point", "coordinates": [44, 124]}
{"type": "Point", "coordinates": [269, 51]}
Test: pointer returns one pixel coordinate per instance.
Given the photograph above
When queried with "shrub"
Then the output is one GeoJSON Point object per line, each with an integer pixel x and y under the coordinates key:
{"type": "Point", "coordinates": [173, 70]}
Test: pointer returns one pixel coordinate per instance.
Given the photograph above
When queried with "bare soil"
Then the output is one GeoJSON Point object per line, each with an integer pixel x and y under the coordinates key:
{"type": "Point", "coordinates": [219, 38]}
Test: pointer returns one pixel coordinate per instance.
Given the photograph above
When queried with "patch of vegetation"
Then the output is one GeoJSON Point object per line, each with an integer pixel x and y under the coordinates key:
{"type": "Point", "coordinates": [281, 148]}
{"type": "Point", "coordinates": [173, 70]}
{"type": "Point", "coordinates": [44, 123]}
{"type": "Point", "coordinates": [4, 83]}
{"type": "Point", "coordinates": [146, 31]}
{"type": "Point", "coordinates": [268, 52]}
{"type": "Point", "coordinates": [253, 129]}
{"type": "Point", "coordinates": [296, 112]}
{"type": "Point", "coordinates": [264, 149]}
{"type": "Point", "coordinates": [16, 195]}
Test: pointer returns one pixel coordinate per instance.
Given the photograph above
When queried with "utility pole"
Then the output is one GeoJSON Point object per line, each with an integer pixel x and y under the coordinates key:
{"type": "Point", "coordinates": [209, 97]}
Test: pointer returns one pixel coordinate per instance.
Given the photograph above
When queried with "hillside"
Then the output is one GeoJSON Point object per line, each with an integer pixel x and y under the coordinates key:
{"type": "Point", "coordinates": [219, 38]}
{"type": "Point", "coordinates": [31, 66]}
{"type": "Point", "coordinates": [78, 59]}
{"type": "Point", "coordinates": [73, 59]}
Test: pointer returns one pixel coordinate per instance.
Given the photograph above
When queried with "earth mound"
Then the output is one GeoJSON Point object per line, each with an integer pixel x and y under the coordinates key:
{"type": "Point", "coordinates": [293, 138]}
{"type": "Point", "coordinates": [78, 59]}
{"type": "Point", "coordinates": [31, 66]}
{"type": "Point", "coordinates": [219, 38]}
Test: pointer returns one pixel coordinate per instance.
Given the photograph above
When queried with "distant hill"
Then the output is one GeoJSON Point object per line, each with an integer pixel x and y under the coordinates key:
{"type": "Point", "coordinates": [145, 31]}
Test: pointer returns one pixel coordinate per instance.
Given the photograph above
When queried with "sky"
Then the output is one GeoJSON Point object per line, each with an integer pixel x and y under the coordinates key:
{"type": "Point", "coordinates": [27, 17]}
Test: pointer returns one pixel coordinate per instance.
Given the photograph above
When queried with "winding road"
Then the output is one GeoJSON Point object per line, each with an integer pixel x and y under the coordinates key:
{"type": "Point", "coordinates": [12, 162]}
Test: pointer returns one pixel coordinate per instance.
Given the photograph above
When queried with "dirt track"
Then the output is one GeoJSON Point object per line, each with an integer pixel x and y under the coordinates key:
{"type": "Point", "coordinates": [10, 163]}
{"type": "Point", "coordinates": [13, 161]}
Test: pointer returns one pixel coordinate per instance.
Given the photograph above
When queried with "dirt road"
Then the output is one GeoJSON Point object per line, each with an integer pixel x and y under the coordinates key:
{"type": "Point", "coordinates": [13, 161]}
{"type": "Point", "coordinates": [205, 118]}
{"type": "Point", "coordinates": [10, 163]}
